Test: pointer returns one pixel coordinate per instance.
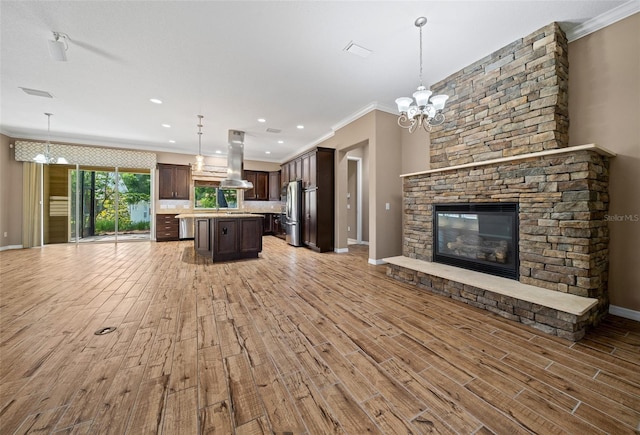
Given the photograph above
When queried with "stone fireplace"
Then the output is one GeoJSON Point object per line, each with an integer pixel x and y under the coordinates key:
{"type": "Point", "coordinates": [505, 146]}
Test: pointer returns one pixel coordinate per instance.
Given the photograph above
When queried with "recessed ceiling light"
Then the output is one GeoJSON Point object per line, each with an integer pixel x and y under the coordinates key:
{"type": "Point", "coordinates": [280, 141]}
{"type": "Point", "coordinates": [262, 120]}
{"type": "Point", "coordinates": [166, 125]}
{"type": "Point", "coordinates": [358, 50]}
{"type": "Point", "coordinates": [172, 141]}
{"type": "Point", "coordinates": [300, 127]}
{"type": "Point", "coordinates": [218, 152]}
{"type": "Point", "coordinates": [267, 152]}
{"type": "Point", "coordinates": [155, 101]}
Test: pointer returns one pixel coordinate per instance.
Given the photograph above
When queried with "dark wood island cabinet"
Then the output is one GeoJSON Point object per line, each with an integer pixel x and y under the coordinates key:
{"type": "Point", "coordinates": [227, 237]}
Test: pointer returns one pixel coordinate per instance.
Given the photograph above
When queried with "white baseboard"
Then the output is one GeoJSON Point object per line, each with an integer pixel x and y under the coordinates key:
{"type": "Point", "coordinates": [341, 250]}
{"type": "Point", "coordinates": [6, 248]}
{"type": "Point", "coordinates": [355, 242]}
{"type": "Point", "coordinates": [624, 312]}
{"type": "Point", "coordinates": [376, 262]}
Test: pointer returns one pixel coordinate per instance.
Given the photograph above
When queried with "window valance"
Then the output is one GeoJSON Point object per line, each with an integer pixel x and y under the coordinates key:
{"type": "Point", "coordinates": [26, 151]}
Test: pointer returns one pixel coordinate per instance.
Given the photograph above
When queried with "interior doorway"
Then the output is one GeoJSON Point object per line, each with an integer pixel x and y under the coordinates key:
{"type": "Point", "coordinates": [354, 200]}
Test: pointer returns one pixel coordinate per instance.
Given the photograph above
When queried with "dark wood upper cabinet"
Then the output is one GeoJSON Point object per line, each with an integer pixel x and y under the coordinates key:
{"type": "Point", "coordinates": [260, 191]}
{"type": "Point", "coordinates": [305, 170]}
{"type": "Point", "coordinates": [250, 194]}
{"type": "Point", "coordinates": [274, 186]}
{"type": "Point", "coordinates": [174, 181]}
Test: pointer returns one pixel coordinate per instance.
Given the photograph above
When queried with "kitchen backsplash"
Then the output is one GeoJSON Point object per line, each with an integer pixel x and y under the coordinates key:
{"type": "Point", "coordinates": [165, 206]}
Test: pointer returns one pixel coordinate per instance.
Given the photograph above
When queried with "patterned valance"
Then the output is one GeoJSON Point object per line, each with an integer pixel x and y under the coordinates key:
{"type": "Point", "coordinates": [87, 156]}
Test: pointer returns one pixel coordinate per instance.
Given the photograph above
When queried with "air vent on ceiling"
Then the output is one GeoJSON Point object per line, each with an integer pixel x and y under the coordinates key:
{"type": "Point", "coordinates": [358, 50]}
{"type": "Point", "coordinates": [273, 130]}
{"type": "Point", "coordinates": [37, 93]}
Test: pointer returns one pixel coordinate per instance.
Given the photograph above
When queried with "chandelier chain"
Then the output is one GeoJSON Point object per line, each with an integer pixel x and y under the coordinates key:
{"type": "Point", "coordinates": [48, 144]}
{"type": "Point", "coordinates": [420, 56]}
{"type": "Point", "coordinates": [200, 134]}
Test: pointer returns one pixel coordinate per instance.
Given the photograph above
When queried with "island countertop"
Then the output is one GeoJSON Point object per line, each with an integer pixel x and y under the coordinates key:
{"type": "Point", "coordinates": [218, 215]}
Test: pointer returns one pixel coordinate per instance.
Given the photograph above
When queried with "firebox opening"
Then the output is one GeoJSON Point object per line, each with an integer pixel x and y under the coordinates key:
{"type": "Point", "coordinates": [481, 237]}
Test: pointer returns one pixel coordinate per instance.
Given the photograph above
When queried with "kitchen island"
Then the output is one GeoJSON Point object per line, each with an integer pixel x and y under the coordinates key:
{"type": "Point", "coordinates": [225, 236]}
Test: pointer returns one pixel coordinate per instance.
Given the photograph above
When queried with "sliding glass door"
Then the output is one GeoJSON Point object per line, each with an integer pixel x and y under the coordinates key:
{"type": "Point", "coordinates": [108, 204]}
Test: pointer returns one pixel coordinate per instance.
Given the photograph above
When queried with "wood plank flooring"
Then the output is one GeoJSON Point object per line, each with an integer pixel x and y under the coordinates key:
{"type": "Point", "coordinates": [294, 342]}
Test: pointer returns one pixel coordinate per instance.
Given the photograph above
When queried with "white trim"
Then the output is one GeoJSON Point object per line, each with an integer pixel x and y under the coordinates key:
{"type": "Point", "coordinates": [624, 312]}
{"type": "Point", "coordinates": [376, 262]}
{"type": "Point", "coordinates": [341, 250]}
{"type": "Point", "coordinates": [8, 247]}
{"type": "Point", "coordinates": [588, 147]}
{"type": "Point", "coordinates": [603, 20]}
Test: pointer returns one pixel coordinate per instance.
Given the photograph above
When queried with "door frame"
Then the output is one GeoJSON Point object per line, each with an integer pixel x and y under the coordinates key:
{"type": "Point", "coordinates": [358, 161]}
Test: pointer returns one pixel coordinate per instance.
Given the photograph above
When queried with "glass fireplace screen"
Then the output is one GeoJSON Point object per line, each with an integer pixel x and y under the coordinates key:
{"type": "Point", "coordinates": [481, 237]}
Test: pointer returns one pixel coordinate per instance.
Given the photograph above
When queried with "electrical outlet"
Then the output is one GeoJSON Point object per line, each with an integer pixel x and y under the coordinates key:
{"type": "Point", "coordinates": [348, 228]}
{"type": "Point", "coordinates": [387, 206]}
{"type": "Point", "coordinates": [6, 234]}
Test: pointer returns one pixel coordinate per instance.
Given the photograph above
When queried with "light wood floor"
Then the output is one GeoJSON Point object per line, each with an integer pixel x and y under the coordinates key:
{"type": "Point", "coordinates": [294, 342]}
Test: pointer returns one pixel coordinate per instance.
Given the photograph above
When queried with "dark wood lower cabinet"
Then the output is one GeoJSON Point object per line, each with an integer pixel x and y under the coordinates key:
{"type": "Point", "coordinates": [167, 228]}
{"type": "Point", "coordinates": [228, 238]}
{"type": "Point", "coordinates": [202, 236]}
{"type": "Point", "coordinates": [250, 237]}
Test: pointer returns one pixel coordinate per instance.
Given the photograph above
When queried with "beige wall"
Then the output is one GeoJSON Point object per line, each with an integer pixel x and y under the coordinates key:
{"type": "Point", "coordinates": [415, 151]}
{"type": "Point", "coordinates": [387, 162]}
{"type": "Point", "coordinates": [604, 108]}
{"type": "Point", "coordinates": [10, 195]}
{"type": "Point", "coordinates": [379, 137]}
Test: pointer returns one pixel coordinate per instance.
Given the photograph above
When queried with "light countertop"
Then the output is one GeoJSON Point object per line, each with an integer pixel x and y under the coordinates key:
{"type": "Point", "coordinates": [213, 214]}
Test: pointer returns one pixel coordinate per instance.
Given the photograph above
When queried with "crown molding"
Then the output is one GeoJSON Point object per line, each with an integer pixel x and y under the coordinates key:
{"type": "Point", "coordinates": [603, 20]}
{"type": "Point", "coordinates": [360, 113]}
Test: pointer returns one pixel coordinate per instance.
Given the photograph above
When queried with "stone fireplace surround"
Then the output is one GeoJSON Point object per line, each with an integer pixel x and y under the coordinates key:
{"type": "Point", "coordinates": [563, 236]}
{"type": "Point", "coordinates": [505, 139]}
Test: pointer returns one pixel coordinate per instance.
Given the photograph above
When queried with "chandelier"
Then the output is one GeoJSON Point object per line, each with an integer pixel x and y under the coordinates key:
{"type": "Point", "coordinates": [199, 157]}
{"type": "Point", "coordinates": [47, 158]}
{"type": "Point", "coordinates": [426, 112]}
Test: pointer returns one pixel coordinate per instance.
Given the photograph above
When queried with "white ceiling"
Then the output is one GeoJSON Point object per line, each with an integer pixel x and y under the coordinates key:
{"type": "Point", "coordinates": [237, 61]}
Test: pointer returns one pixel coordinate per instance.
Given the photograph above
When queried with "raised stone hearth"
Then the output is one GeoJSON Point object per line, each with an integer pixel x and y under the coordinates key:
{"type": "Point", "coordinates": [555, 313]}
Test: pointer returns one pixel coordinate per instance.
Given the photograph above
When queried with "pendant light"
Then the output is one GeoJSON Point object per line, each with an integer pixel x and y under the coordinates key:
{"type": "Point", "coordinates": [427, 110]}
{"type": "Point", "coordinates": [199, 157]}
{"type": "Point", "coordinates": [47, 158]}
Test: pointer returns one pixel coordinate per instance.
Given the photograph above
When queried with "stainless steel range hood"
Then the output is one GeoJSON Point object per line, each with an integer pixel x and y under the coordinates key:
{"type": "Point", "coordinates": [235, 160]}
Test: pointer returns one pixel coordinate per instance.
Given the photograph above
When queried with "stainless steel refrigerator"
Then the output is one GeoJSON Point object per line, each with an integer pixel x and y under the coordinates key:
{"type": "Point", "coordinates": [293, 212]}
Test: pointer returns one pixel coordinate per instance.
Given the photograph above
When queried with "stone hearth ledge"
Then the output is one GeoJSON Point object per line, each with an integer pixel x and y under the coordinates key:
{"type": "Point", "coordinates": [565, 302]}
{"type": "Point", "coordinates": [588, 147]}
{"type": "Point", "coordinates": [549, 311]}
